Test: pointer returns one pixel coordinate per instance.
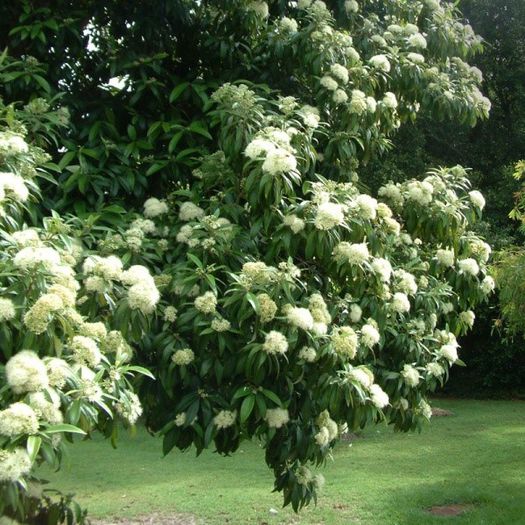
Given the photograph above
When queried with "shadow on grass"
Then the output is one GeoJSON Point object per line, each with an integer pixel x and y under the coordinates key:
{"type": "Point", "coordinates": [488, 502]}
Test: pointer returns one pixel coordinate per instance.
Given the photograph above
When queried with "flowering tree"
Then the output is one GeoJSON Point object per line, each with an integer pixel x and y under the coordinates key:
{"type": "Point", "coordinates": [65, 366]}
{"type": "Point", "coordinates": [296, 305]}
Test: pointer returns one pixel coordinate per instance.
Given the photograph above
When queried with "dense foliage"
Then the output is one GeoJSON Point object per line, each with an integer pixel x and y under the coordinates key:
{"type": "Point", "coordinates": [293, 303]}
{"type": "Point", "coordinates": [495, 360]}
{"type": "Point", "coordinates": [65, 367]}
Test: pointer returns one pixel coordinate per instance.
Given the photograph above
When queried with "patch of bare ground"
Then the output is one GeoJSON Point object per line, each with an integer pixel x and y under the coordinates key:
{"type": "Point", "coordinates": [153, 519]}
{"type": "Point", "coordinates": [350, 436]}
{"type": "Point", "coordinates": [441, 412]}
{"type": "Point", "coordinates": [455, 509]}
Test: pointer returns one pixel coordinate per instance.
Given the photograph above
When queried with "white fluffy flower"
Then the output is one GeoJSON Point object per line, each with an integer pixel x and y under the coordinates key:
{"type": "Point", "coordinates": [308, 354]}
{"type": "Point", "coordinates": [277, 417]}
{"type": "Point", "coordinates": [279, 161]}
{"type": "Point", "coordinates": [190, 211]}
{"type": "Point", "coordinates": [26, 372]}
{"type": "Point", "coordinates": [416, 58]}
{"type": "Point", "coordinates": [468, 266]}
{"type": "Point", "coordinates": [435, 369]}
{"type": "Point", "coordinates": [294, 223]}
{"type": "Point", "coordinates": [109, 268]}
{"type": "Point", "coordinates": [85, 351]}
{"type": "Point", "coordinates": [7, 309]}
{"type": "Point", "coordinates": [400, 303]}
{"type": "Point", "coordinates": [322, 438]}
{"type": "Point", "coordinates": [225, 419]}
{"type": "Point", "coordinates": [355, 313]}
{"type": "Point", "coordinates": [129, 408]}
{"type": "Point", "coordinates": [143, 296]}
{"type": "Point", "coordinates": [259, 147]}
{"type": "Point", "coordinates": [445, 257]}
{"type": "Point", "coordinates": [382, 268]}
{"type": "Point", "coordinates": [13, 186]}
{"type": "Point", "coordinates": [259, 8]}
{"type": "Point", "coordinates": [468, 317]}
{"type": "Point", "coordinates": [351, 6]}
{"type": "Point", "coordinates": [420, 192]}
{"type": "Point", "coordinates": [339, 96]}
{"type": "Point", "coordinates": [418, 41]}
{"type": "Point", "coordinates": [288, 25]}
{"type": "Point", "coordinates": [329, 83]}
{"type": "Point", "coordinates": [369, 335]}
{"type": "Point", "coordinates": [358, 103]}
{"type": "Point", "coordinates": [344, 341]}
{"type": "Point", "coordinates": [355, 254]}
{"type": "Point", "coordinates": [275, 343]}
{"type": "Point", "coordinates": [183, 357]}
{"type": "Point", "coordinates": [405, 282]}
{"type": "Point", "coordinates": [390, 100]}
{"type": "Point", "coordinates": [154, 207]}
{"type": "Point", "coordinates": [27, 237]}
{"type": "Point", "coordinates": [380, 62]}
{"type": "Point", "coordinates": [206, 303]}
{"type": "Point", "coordinates": [310, 116]}
{"type": "Point", "coordinates": [136, 274]}
{"type": "Point", "coordinates": [477, 199]}
{"type": "Point", "coordinates": [46, 406]}
{"type": "Point", "coordinates": [300, 317]}
{"type": "Point", "coordinates": [367, 206]}
{"type": "Point", "coordinates": [12, 144]}
{"type": "Point", "coordinates": [14, 465]}
{"type": "Point", "coordinates": [180, 419]}
{"type": "Point", "coordinates": [410, 375]}
{"type": "Point", "coordinates": [361, 375]}
{"type": "Point", "coordinates": [449, 352]}
{"type": "Point", "coordinates": [488, 285]}
{"type": "Point", "coordinates": [58, 371]}
{"type": "Point", "coordinates": [30, 257]}
{"type": "Point", "coordinates": [329, 215]}
{"type": "Point", "coordinates": [340, 72]}
{"type": "Point", "coordinates": [378, 396]}
{"type": "Point", "coordinates": [17, 419]}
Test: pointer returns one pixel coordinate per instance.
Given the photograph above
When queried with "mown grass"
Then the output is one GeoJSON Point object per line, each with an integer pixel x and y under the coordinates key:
{"type": "Point", "coordinates": [476, 456]}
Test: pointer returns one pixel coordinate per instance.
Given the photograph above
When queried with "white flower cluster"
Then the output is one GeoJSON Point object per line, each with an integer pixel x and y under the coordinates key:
{"type": "Point", "coordinates": [183, 357]}
{"type": "Point", "coordinates": [300, 317]}
{"type": "Point", "coordinates": [277, 417]}
{"type": "Point", "coordinates": [13, 186]}
{"type": "Point", "coordinates": [329, 215]}
{"type": "Point", "coordinates": [267, 308]}
{"type": "Point", "coordinates": [7, 309]}
{"type": "Point", "coordinates": [225, 419]}
{"type": "Point", "coordinates": [100, 273]}
{"type": "Point", "coordinates": [328, 429]}
{"type": "Point", "coordinates": [154, 207]}
{"type": "Point", "coordinates": [355, 254]}
{"type": "Point", "coordinates": [275, 343]}
{"type": "Point", "coordinates": [294, 223]}
{"type": "Point", "coordinates": [344, 341]}
{"type": "Point", "coordinates": [206, 303]}
{"type": "Point", "coordinates": [273, 146]}
{"type": "Point", "coordinates": [410, 375]}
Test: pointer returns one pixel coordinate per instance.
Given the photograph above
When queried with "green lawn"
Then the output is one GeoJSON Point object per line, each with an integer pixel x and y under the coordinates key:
{"type": "Point", "coordinates": [476, 456]}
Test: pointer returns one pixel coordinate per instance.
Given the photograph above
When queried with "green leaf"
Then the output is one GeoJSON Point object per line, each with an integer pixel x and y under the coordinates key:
{"type": "Point", "coordinates": [33, 446]}
{"type": "Point", "coordinates": [177, 91]}
{"type": "Point", "coordinates": [139, 370]}
{"type": "Point", "coordinates": [64, 427]}
{"type": "Point", "coordinates": [272, 396]}
{"type": "Point", "coordinates": [247, 407]}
